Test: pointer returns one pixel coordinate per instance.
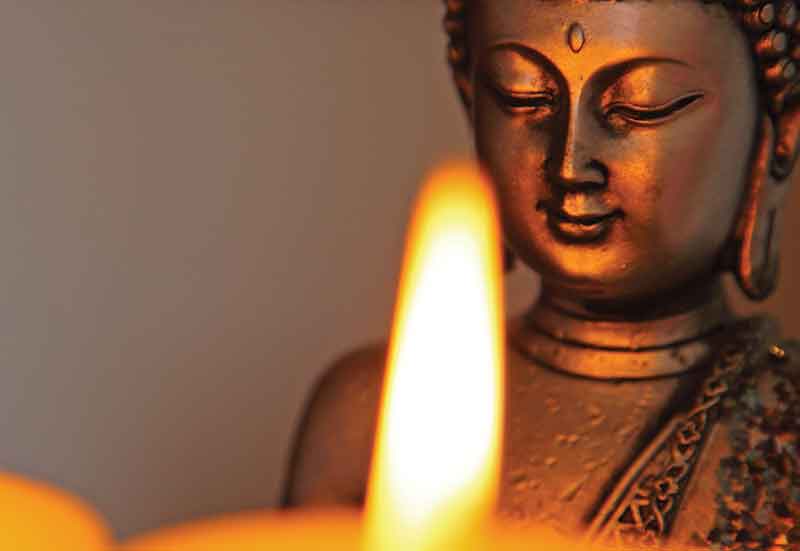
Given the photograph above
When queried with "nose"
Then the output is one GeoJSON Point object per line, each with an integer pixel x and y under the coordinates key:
{"type": "Point", "coordinates": [574, 164]}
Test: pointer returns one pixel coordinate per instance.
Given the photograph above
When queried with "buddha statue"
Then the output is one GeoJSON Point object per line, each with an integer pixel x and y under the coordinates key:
{"type": "Point", "coordinates": [640, 151]}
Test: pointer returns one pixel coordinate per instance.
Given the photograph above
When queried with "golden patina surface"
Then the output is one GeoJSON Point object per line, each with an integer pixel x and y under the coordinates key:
{"type": "Point", "coordinates": [640, 150]}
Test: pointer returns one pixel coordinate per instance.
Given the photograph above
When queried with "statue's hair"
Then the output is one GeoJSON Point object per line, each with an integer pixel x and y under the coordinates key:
{"type": "Point", "coordinates": [772, 29]}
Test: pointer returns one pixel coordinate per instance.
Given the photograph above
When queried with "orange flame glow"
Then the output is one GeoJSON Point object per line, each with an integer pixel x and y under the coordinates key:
{"type": "Point", "coordinates": [436, 469]}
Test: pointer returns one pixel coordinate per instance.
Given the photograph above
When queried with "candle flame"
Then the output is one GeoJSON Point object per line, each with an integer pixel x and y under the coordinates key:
{"type": "Point", "coordinates": [436, 468]}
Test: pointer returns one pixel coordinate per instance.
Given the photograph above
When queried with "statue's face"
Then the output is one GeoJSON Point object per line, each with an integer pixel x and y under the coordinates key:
{"type": "Point", "coordinates": [620, 150]}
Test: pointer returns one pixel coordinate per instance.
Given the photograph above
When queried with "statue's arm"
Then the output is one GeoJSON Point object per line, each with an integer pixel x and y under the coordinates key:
{"type": "Point", "coordinates": [330, 459]}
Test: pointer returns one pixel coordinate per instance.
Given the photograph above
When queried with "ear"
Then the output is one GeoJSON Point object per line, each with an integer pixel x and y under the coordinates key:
{"type": "Point", "coordinates": [463, 83]}
{"type": "Point", "coordinates": [757, 234]}
{"type": "Point", "coordinates": [787, 135]}
{"type": "Point", "coordinates": [455, 25]}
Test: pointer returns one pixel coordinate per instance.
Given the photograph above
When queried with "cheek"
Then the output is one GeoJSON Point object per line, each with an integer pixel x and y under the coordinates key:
{"type": "Point", "coordinates": [685, 185]}
{"type": "Point", "coordinates": [514, 151]}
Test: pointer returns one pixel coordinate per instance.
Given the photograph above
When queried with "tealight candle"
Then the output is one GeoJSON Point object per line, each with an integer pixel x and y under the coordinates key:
{"type": "Point", "coordinates": [35, 516]}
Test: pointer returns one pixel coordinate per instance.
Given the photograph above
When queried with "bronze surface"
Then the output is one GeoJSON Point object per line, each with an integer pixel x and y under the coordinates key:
{"type": "Point", "coordinates": [639, 151]}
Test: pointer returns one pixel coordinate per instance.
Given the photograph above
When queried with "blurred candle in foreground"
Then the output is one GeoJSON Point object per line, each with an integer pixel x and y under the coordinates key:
{"type": "Point", "coordinates": [436, 466]}
{"type": "Point", "coordinates": [35, 516]}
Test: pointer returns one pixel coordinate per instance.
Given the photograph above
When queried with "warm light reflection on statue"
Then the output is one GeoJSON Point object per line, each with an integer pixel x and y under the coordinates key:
{"type": "Point", "coordinates": [639, 150]}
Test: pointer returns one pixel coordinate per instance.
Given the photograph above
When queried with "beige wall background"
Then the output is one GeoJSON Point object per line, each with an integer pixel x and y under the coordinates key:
{"type": "Point", "coordinates": [202, 204]}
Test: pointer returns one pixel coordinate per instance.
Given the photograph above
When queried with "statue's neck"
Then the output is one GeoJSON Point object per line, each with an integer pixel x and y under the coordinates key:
{"type": "Point", "coordinates": [638, 341]}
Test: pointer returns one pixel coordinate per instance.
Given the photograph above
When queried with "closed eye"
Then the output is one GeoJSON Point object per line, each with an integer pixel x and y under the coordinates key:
{"type": "Point", "coordinates": [524, 102]}
{"type": "Point", "coordinates": [650, 115]}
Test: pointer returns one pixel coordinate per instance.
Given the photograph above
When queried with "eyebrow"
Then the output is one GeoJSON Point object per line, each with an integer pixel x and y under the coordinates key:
{"type": "Point", "coordinates": [606, 74]}
{"type": "Point", "coordinates": [526, 52]}
{"type": "Point", "coordinates": [619, 69]}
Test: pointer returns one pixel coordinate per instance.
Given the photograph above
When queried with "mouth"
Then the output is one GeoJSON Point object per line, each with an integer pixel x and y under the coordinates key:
{"type": "Point", "coordinates": [577, 227]}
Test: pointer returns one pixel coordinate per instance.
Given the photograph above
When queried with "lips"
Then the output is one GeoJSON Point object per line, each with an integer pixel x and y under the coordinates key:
{"type": "Point", "coordinates": [579, 221]}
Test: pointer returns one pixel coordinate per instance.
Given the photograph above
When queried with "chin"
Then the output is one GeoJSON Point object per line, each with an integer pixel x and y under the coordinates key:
{"type": "Point", "coordinates": [599, 274]}
{"type": "Point", "coordinates": [592, 289]}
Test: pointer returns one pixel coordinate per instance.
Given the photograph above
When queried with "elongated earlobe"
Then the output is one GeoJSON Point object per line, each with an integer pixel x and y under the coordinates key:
{"type": "Point", "coordinates": [759, 264]}
{"type": "Point", "coordinates": [787, 136]}
{"type": "Point", "coordinates": [758, 256]}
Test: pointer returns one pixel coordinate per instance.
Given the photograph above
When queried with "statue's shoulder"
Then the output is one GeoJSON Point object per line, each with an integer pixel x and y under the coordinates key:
{"type": "Point", "coordinates": [785, 359]}
{"type": "Point", "coordinates": [759, 476]}
{"type": "Point", "coordinates": [772, 384]}
{"type": "Point", "coordinates": [333, 444]}
{"type": "Point", "coordinates": [769, 361]}
{"type": "Point", "coordinates": [767, 395]}
{"type": "Point", "coordinates": [349, 389]}
{"type": "Point", "coordinates": [357, 371]}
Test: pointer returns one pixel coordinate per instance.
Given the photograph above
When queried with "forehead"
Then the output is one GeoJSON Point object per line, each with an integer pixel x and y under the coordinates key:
{"type": "Point", "coordinates": [697, 34]}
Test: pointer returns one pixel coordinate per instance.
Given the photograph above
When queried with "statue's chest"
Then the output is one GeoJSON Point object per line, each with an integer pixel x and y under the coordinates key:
{"type": "Point", "coordinates": [568, 440]}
